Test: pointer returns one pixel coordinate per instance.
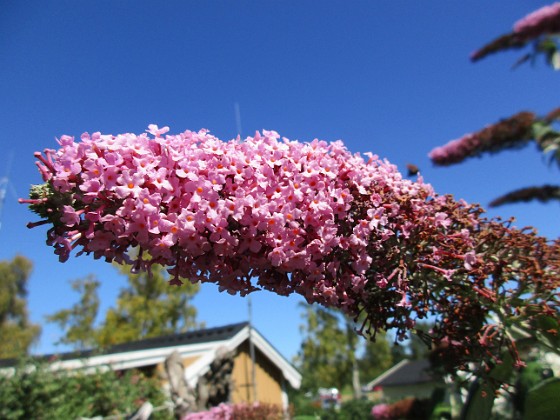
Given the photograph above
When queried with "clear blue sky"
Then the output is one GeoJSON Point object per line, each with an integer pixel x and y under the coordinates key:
{"type": "Point", "coordinates": [391, 77]}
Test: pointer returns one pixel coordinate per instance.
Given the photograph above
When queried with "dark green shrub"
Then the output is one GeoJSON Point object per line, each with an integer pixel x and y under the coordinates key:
{"type": "Point", "coordinates": [356, 409]}
{"type": "Point", "coordinates": [35, 391]}
{"type": "Point", "coordinates": [304, 406]}
{"type": "Point", "coordinates": [349, 410]}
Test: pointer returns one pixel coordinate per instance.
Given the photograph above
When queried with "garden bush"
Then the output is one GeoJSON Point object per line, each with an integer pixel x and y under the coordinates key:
{"type": "Point", "coordinates": [36, 391]}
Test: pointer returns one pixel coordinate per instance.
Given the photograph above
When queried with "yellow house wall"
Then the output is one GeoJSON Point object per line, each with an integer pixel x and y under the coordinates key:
{"type": "Point", "coordinates": [268, 379]}
{"type": "Point", "coordinates": [160, 368]}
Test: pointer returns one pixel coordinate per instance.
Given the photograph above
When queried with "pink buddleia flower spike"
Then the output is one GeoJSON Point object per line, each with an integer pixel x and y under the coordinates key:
{"type": "Point", "coordinates": [536, 25]}
{"type": "Point", "coordinates": [286, 216]}
{"type": "Point", "coordinates": [545, 20]}
{"type": "Point", "coordinates": [509, 133]}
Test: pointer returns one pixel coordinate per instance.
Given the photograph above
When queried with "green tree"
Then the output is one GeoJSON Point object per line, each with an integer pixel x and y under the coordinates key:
{"type": "Point", "coordinates": [352, 342]}
{"type": "Point", "coordinates": [323, 359]}
{"type": "Point", "coordinates": [146, 307]}
{"type": "Point", "coordinates": [398, 352]}
{"type": "Point", "coordinates": [17, 332]}
{"type": "Point", "coordinates": [78, 321]}
{"type": "Point", "coordinates": [376, 357]}
{"type": "Point", "coordinates": [417, 346]}
{"type": "Point", "coordinates": [149, 307]}
{"type": "Point", "coordinates": [333, 355]}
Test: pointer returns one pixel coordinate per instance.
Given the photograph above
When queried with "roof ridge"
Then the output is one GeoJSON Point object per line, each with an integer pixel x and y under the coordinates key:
{"type": "Point", "coordinates": [187, 337]}
{"type": "Point", "coordinates": [203, 335]}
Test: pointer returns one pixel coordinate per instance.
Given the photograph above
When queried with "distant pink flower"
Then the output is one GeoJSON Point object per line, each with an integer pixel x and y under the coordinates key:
{"type": "Point", "coordinates": [455, 151]}
{"type": "Point", "coordinates": [404, 301]}
{"type": "Point", "coordinates": [381, 412]}
{"type": "Point", "coordinates": [543, 20]}
{"type": "Point", "coordinates": [509, 133]}
{"type": "Point", "coordinates": [470, 260]}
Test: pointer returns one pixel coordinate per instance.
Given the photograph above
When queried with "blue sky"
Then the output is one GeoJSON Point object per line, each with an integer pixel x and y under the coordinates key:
{"type": "Point", "coordinates": [392, 78]}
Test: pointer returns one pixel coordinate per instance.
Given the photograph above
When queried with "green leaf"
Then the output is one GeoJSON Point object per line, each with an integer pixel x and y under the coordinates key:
{"type": "Point", "coordinates": [541, 130]}
{"type": "Point", "coordinates": [547, 328]}
{"type": "Point", "coordinates": [480, 401]}
{"type": "Point", "coordinates": [550, 148]}
{"type": "Point", "coordinates": [542, 400]}
{"type": "Point", "coordinates": [482, 392]}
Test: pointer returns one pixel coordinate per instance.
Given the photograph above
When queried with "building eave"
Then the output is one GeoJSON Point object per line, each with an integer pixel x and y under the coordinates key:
{"type": "Point", "coordinates": [288, 371]}
{"type": "Point", "coordinates": [203, 353]}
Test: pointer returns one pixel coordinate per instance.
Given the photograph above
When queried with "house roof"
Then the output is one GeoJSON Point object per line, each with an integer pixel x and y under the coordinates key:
{"type": "Point", "coordinates": [406, 372]}
{"type": "Point", "coordinates": [200, 344]}
{"type": "Point", "coordinates": [207, 335]}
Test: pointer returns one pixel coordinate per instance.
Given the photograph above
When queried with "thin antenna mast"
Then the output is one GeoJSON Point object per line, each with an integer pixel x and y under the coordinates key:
{"type": "Point", "coordinates": [249, 302]}
{"type": "Point", "coordinates": [3, 188]}
{"type": "Point", "coordinates": [4, 182]}
{"type": "Point", "coordinates": [237, 118]}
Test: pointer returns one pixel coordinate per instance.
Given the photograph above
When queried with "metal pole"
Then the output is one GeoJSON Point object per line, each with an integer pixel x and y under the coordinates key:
{"type": "Point", "coordinates": [252, 351]}
{"type": "Point", "coordinates": [249, 302]}
{"type": "Point", "coordinates": [4, 183]}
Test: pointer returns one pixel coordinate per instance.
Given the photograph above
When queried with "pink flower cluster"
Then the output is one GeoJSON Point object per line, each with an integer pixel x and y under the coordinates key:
{"type": "Point", "coordinates": [456, 150]}
{"type": "Point", "coordinates": [381, 412]}
{"type": "Point", "coordinates": [542, 22]}
{"type": "Point", "coordinates": [220, 412]}
{"type": "Point", "coordinates": [231, 211]}
{"type": "Point", "coordinates": [270, 213]}
{"type": "Point", "coordinates": [509, 133]}
{"type": "Point", "coordinates": [241, 411]}
{"type": "Point", "coordinates": [545, 20]}
{"type": "Point", "coordinates": [407, 408]}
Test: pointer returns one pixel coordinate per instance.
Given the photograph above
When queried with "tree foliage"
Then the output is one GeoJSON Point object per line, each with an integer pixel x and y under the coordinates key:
{"type": "Point", "coordinates": [78, 321]}
{"type": "Point", "coordinates": [16, 330]}
{"type": "Point", "coordinates": [146, 307]}
{"type": "Point", "coordinates": [149, 307]}
{"type": "Point", "coordinates": [416, 347]}
{"type": "Point", "coordinates": [331, 353]}
{"type": "Point", "coordinates": [376, 358]}
{"type": "Point", "coordinates": [323, 359]}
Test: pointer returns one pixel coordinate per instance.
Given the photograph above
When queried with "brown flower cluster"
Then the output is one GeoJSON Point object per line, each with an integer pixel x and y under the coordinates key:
{"type": "Point", "coordinates": [541, 22]}
{"type": "Point", "coordinates": [504, 42]}
{"type": "Point", "coordinates": [516, 287]}
{"type": "Point", "coordinates": [509, 279]}
{"type": "Point", "coordinates": [543, 194]}
{"type": "Point", "coordinates": [509, 133]}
